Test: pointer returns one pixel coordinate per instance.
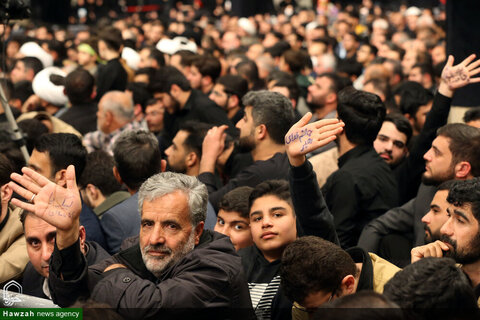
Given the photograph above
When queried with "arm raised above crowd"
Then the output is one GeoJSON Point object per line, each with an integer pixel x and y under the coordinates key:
{"type": "Point", "coordinates": [304, 137]}
{"type": "Point", "coordinates": [460, 75]}
{"type": "Point", "coordinates": [57, 205]}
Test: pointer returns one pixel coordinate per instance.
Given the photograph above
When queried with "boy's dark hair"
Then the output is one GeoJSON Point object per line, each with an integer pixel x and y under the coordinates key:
{"type": "Point", "coordinates": [236, 201]}
{"type": "Point", "coordinates": [430, 284]}
{"type": "Point", "coordinates": [277, 188]}
{"type": "Point", "coordinates": [63, 149]}
{"type": "Point", "coordinates": [412, 96]}
{"type": "Point", "coordinates": [273, 110]}
{"type": "Point", "coordinates": [79, 86]}
{"type": "Point", "coordinates": [112, 38]}
{"type": "Point", "coordinates": [401, 123]}
{"type": "Point", "coordinates": [137, 157]}
{"type": "Point", "coordinates": [472, 114]}
{"type": "Point", "coordinates": [466, 191]}
{"type": "Point", "coordinates": [311, 264]}
{"type": "Point", "coordinates": [99, 172]}
{"type": "Point", "coordinates": [363, 114]}
{"type": "Point", "coordinates": [166, 77]}
{"type": "Point", "coordinates": [464, 144]}
{"type": "Point", "coordinates": [234, 84]}
{"type": "Point", "coordinates": [208, 66]}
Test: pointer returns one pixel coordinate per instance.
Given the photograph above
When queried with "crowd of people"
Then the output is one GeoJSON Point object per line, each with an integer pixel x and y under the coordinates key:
{"type": "Point", "coordinates": [285, 165]}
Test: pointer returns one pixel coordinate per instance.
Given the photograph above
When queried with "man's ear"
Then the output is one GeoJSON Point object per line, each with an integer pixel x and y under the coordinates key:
{"type": "Point", "coordinates": [463, 170]}
{"type": "Point", "coordinates": [163, 165]}
{"type": "Point", "coordinates": [108, 117]}
{"type": "Point", "coordinates": [410, 119]}
{"type": "Point", "coordinates": [6, 194]}
{"type": "Point", "coordinates": [116, 174]}
{"type": "Point", "coordinates": [92, 192]}
{"type": "Point", "coordinates": [233, 101]}
{"type": "Point", "coordinates": [61, 177]}
{"type": "Point", "coordinates": [174, 90]}
{"type": "Point", "coordinates": [199, 231]}
{"type": "Point", "coordinates": [348, 285]}
{"type": "Point", "coordinates": [331, 97]}
{"type": "Point", "coordinates": [82, 235]}
{"type": "Point", "coordinates": [191, 159]}
{"type": "Point", "coordinates": [261, 131]}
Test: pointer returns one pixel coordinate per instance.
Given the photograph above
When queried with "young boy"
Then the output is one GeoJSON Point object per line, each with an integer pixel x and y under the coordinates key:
{"type": "Point", "coordinates": [233, 219]}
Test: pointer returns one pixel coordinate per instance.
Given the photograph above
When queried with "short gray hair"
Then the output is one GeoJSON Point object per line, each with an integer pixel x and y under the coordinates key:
{"type": "Point", "coordinates": [165, 183]}
{"type": "Point", "coordinates": [120, 104]}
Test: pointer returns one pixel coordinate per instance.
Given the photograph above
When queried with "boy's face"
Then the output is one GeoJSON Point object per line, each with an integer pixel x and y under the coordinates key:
{"type": "Point", "coordinates": [232, 224]}
{"type": "Point", "coordinates": [273, 225]}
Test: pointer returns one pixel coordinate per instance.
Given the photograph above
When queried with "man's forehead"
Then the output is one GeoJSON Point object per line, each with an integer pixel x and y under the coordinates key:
{"type": "Point", "coordinates": [390, 130]}
{"type": "Point", "coordinates": [35, 226]}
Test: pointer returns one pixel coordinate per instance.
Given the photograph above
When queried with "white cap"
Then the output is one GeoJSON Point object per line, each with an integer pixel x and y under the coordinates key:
{"type": "Point", "coordinates": [46, 90]}
{"type": "Point", "coordinates": [412, 11]}
{"type": "Point", "coordinates": [32, 49]}
{"type": "Point", "coordinates": [171, 46]}
{"type": "Point", "coordinates": [247, 25]}
{"type": "Point", "coordinates": [131, 57]}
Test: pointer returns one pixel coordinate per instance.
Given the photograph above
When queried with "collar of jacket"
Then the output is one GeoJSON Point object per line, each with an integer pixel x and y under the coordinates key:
{"type": "Point", "coordinates": [365, 280]}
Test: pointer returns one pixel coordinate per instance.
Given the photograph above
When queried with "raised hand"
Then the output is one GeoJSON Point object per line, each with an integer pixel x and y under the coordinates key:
{"type": "Point", "coordinates": [304, 137]}
{"type": "Point", "coordinates": [212, 148]}
{"type": "Point", "coordinates": [56, 205]}
{"type": "Point", "coordinates": [460, 75]}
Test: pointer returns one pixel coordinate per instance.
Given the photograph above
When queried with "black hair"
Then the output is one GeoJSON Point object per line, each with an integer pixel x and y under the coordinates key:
{"type": "Point", "coordinates": [236, 201]}
{"type": "Point", "coordinates": [112, 38]}
{"type": "Point", "coordinates": [472, 114]}
{"type": "Point", "coordinates": [63, 150]}
{"type": "Point", "coordinates": [273, 110]}
{"type": "Point", "coordinates": [32, 63]}
{"type": "Point", "coordinates": [401, 123]}
{"type": "Point", "coordinates": [291, 84]}
{"type": "Point", "coordinates": [166, 77]}
{"type": "Point", "coordinates": [432, 284]}
{"type": "Point", "coordinates": [208, 66]}
{"type": "Point", "coordinates": [99, 172]}
{"type": "Point", "coordinates": [311, 264]}
{"type": "Point", "coordinates": [466, 191]}
{"type": "Point", "coordinates": [32, 130]}
{"type": "Point", "coordinates": [296, 60]}
{"type": "Point", "coordinates": [234, 84]}
{"type": "Point", "coordinates": [79, 86]}
{"type": "Point", "coordinates": [363, 114]}
{"type": "Point", "coordinates": [464, 144]}
{"type": "Point", "coordinates": [141, 94]}
{"type": "Point", "coordinates": [412, 96]}
{"type": "Point", "coordinates": [137, 157]}
{"type": "Point", "coordinates": [277, 188]}
{"type": "Point", "coordinates": [6, 169]}
{"type": "Point", "coordinates": [196, 133]}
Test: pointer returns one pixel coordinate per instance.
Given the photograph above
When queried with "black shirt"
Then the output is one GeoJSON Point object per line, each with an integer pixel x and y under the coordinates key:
{"type": "Point", "coordinates": [362, 189]}
{"type": "Point", "coordinates": [82, 117]}
{"type": "Point", "coordinates": [111, 76]}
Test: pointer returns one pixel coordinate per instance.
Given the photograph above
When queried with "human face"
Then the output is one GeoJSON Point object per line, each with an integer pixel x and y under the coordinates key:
{"type": "Point", "coordinates": [390, 143]}
{"type": "Point", "coordinates": [154, 117]}
{"type": "Point", "coordinates": [166, 231]}
{"type": "Point", "coordinates": [421, 116]}
{"type": "Point", "coordinates": [363, 54]}
{"type": "Point", "coordinates": [247, 131]}
{"type": "Point", "coordinates": [219, 96]}
{"type": "Point", "coordinates": [176, 153]}
{"type": "Point", "coordinates": [438, 162]}
{"type": "Point", "coordinates": [233, 225]}
{"type": "Point", "coordinates": [273, 225]}
{"type": "Point", "coordinates": [40, 162]}
{"type": "Point", "coordinates": [436, 216]}
{"type": "Point", "coordinates": [195, 78]}
{"type": "Point", "coordinates": [409, 60]}
{"type": "Point", "coordinates": [145, 60]}
{"type": "Point", "coordinates": [40, 237]}
{"type": "Point", "coordinates": [318, 92]}
{"type": "Point", "coordinates": [167, 101]}
{"type": "Point", "coordinates": [461, 234]}
{"type": "Point", "coordinates": [415, 75]}
{"type": "Point", "coordinates": [85, 59]}
{"type": "Point", "coordinates": [18, 72]}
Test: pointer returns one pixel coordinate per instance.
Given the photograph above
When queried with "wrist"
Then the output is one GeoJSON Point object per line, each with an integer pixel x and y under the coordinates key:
{"type": "Point", "coordinates": [65, 238]}
{"type": "Point", "coordinates": [445, 90]}
{"type": "Point", "coordinates": [297, 161]}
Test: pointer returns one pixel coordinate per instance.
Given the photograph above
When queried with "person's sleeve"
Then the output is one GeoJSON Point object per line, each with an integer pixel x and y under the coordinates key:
{"type": "Point", "coordinates": [396, 220]}
{"type": "Point", "coordinates": [309, 204]}
{"type": "Point", "coordinates": [245, 178]}
{"type": "Point", "coordinates": [409, 173]}
{"type": "Point", "coordinates": [13, 260]}
{"type": "Point", "coordinates": [343, 204]}
{"type": "Point", "coordinates": [113, 231]}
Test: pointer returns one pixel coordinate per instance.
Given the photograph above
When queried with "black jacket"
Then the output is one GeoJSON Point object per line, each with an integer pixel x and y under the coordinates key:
{"type": "Point", "coordinates": [111, 76]}
{"type": "Point", "coordinates": [362, 189]}
{"type": "Point", "coordinates": [210, 276]}
{"type": "Point", "coordinates": [82, 117]}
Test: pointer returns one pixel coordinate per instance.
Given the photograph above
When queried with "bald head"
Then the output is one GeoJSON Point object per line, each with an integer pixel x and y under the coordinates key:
{"type": "Point", "coordinates": [115, 110]}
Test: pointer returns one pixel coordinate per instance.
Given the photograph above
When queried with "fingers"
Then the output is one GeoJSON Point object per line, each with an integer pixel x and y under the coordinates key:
{"type": "Point", "coordinates": [450, 61]}
{"type": "Point", "coordinates": [24, 205]}
{"type": "Point", "coordinates": [473, 65]}
{"type": "Point", "coordinates": [304, 121]}
{"type": "Point", "coordinates": [468, 60]}
{"type": "Point", "coordinates": [35, 176]}
{"type": "Point", "coordinates": [26, 183]}
{"type": "Point", "coordinates": [325, 122]}
{"type": "Point", "coordinates": [70, 176]}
